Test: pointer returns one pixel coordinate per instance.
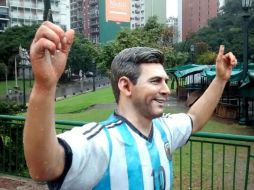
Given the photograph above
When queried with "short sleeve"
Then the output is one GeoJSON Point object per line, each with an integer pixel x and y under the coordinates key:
{"type": "Point", "coordinates": [89, 157]}
{"type": "Point", "coordinates": [179, 127]}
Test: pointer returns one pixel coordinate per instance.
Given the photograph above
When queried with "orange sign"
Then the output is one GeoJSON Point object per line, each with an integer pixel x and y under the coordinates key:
{"type": "Point", "coordinates": [118, 10]}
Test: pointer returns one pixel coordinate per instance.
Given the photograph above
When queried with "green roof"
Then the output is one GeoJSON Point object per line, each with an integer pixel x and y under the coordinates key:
{"type": "Point", "coordinates": [208, 71]}
{"type": "Point", "coordinates": [186, 70]}
{"type": "Point", "coordinates": [236, 74]}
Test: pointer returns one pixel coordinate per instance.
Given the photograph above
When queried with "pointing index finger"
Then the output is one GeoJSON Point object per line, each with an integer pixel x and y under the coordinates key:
{"type": "Point", "coordinates": [221, 50]}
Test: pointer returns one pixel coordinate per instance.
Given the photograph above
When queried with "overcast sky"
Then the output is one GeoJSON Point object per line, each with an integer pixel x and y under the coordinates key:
{"type": "Point", "coordinates": [172, 8]}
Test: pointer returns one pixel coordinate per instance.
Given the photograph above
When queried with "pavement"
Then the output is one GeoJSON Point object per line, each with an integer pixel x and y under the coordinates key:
{"type": "Point", "coordinates": [63, 90]}
{"type": "Point", "coordinates": [20, 183]}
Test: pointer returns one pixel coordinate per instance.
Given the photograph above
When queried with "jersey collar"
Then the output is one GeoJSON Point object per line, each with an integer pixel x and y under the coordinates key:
{"type": "Point", "coordinates": [150, 136]}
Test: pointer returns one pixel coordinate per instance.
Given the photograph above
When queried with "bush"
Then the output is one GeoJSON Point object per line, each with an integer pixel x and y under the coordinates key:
{"type": "Point", "coordinates": [207, 58]}
{"type": "Point", "coordinates": [10, 108]}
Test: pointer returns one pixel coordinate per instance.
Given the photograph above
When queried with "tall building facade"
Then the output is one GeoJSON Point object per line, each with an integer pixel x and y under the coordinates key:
{"type": "Point", "coordinates": [96, 26]}
{"type": "Point", "coordinates": [99, 25]}
{"type": "Point", "coordinates": [27, 12]}
{"type": "Point", "coordinates": [137, 13]}
{"type": "Point", "coordinates": [77, 17]}
{"type": "Point", "coordinates": [4, 15]}
{"type": "Point", "coordinates": [172, 23]}
{"type": "Point", "coordinates": [194, 14]}
{"type": "Point", "coordinates": [141, 10]}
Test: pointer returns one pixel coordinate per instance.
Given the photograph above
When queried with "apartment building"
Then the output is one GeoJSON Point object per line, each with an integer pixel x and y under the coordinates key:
{"type": "Point", "coordinates": [103, 19]}
{"type": "Point", "coordinates": [137, 13]}
{"type": "Point", "coordinates": [194, 14]}
{"type": "Point", "coordinates": [77, 15]}
{"type": "Point", "coordinates": [27, 12]}
{"type": "Point", "coordinates": [4, 15]}
{"type": "Point", "coordinates": [172, 22]}
{"type": "Point", "coordinates": [99, 24]}
{"type": "Point", "coordinates": [141, 10]}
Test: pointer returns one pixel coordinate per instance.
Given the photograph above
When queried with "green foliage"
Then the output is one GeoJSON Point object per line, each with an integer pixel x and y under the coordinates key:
{"type": "Point", "coordinates": [152, 34]}
{"type": "Point", "coordinates": [174, 58]}
{"type": "Point", "coordinates": [82, 55]}
{"type": "Point", "coordinates": [207, 58]}
{"type": "Point", "coordinates": [10, 108]}
{"type": "Point", "coordinates": [11, 39]}
{"type": "Point", "coordinates": [167, 36]}
{"type": "Point", "coordinates": [106, 56]}
{"type": "Point", "coordinates": [11, 149]}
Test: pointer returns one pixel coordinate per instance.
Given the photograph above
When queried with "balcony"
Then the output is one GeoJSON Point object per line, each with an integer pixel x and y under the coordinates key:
{"type": "Point", "coordinates": [4, 13]}
{"type": "Point", "coordinates": [137, 18]}
{"type": "Point", "coordinates": [94, 30]}
{"type": "Point", "coordinates": [3, 26]}
{"type": "Point", "coordinates": [94, 15]}
{"type": "Point", "coordinates": [33, 6]}
{"type": "Point", "coordinates": [94, 23]}
{"type": "Point", "coordinates": [93, 2]}
{"type": "Point", "coordinates": [207, 161]}
{"type": "Point", "coordinates": [137, 11]}
{"type": "Point", "coordinates": [137, 5]}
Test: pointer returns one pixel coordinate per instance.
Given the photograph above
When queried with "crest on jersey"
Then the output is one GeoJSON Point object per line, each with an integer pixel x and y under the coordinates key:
{"type": "Point", "coordinates": [167, 150]}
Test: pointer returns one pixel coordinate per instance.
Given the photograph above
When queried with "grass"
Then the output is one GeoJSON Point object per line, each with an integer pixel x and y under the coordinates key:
{"type": "Point", "coordinates": [216, 164]}
{"type": "Point", "coordinates": [11, 85]}
{"type": "Point", "coordinates": [88, 116]}
{"type": "Point", "coordinates": [77, 104]}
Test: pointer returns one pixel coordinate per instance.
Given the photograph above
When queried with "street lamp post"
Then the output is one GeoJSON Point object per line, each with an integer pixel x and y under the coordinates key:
{"type": "Point", "coordinates": [94, 74]}
{"type": "Point", "coordinates": [246, 5]}
{"type": "Point", "coordinates": [24, 64]}
{"type": "Point", "coordinates": [16, 75]}
{"type": "Point", "coordinates": [192, 49]}
{"type": "Point", "coordinates": [6, 81]}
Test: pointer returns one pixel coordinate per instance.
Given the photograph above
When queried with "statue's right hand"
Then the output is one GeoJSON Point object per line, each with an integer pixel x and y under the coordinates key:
{"type": "Point", "coordinates": [49, 52]}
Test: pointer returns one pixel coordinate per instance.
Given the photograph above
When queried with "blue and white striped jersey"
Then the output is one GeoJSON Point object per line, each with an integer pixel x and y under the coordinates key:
{"type": "Point", "coordinates": [115, 155]}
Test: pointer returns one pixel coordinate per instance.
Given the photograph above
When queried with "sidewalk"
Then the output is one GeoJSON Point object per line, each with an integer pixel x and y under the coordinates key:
{"type": "Point", "coordinates": [19, 183]}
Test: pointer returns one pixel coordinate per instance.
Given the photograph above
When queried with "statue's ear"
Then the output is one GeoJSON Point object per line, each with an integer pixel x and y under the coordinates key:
{"type": "Point", "coordinates": [125, 86]}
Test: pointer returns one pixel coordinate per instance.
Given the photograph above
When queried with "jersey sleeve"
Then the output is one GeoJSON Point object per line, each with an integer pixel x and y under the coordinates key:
{"type": "Point", "coordinates": [179, 127]}
{"type": "Point", "coordinates": [89, 157]}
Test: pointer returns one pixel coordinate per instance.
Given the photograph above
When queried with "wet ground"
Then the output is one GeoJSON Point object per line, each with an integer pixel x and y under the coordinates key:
{"type": "Point", "coordinates": [18, 183]}
{"type": "Point", "coordinates": [63, 90]}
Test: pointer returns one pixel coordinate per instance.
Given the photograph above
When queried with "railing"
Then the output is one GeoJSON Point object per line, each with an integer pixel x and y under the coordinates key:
{"type": "Point", "coordinates": [207, 161]}
{"type": "Point", "coordinates": [215, 161]}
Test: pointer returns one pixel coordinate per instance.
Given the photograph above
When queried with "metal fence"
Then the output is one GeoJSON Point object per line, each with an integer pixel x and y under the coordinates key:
{"type": "Point", "coordinates": [207, 161]}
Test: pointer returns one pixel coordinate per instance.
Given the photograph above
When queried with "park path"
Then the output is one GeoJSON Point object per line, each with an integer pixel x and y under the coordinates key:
{"type": "Point", "coordinates": [19, 183]}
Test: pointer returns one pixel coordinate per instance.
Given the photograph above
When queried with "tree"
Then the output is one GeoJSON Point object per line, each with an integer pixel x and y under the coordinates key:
{"type": "Point", "coordinates": [153, 34]}
{"type": "Point", "coordinates": [207, 58]}
{"type": "Point", "coordinates": [167, 36]}
{"type": "Point", "coordinates": [153, 31]}
{"type": "Point", "coordinates": [174, 58]}
{"type": "Point", "coordinates": [83, 55]}
{"type": "Point", "coordinates": [106, 56]}
{"type": "Point", "coordinates": [11, 39]}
